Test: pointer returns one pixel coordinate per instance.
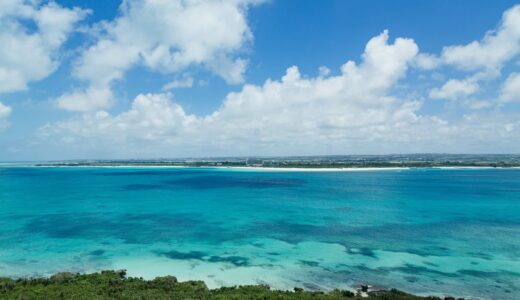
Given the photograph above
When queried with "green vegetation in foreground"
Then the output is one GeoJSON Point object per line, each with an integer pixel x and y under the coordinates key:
{"type": "Point", "coordinates": [114, 285]}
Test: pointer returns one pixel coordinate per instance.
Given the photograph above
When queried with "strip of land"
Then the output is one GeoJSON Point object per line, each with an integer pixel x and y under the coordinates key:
{"type": "Point", "coordinates": [115, 285]}
{"type": "Point", "coordinates": [307, 163]}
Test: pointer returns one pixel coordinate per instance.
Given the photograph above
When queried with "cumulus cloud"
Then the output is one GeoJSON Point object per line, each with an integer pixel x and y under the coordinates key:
{"type": "Point", "coordinates": [5, 111]}
{"type": "Point", "coordinates": [353, 105]}
{"type": "Point", "coordinates": [485, 58]}
{"type": "Point", "coordinates": [28, 54]}
{"type": "Point", "coordinates": [156, 126]}
{"type": "Point", "coordinates": [167, 37]}
{"type": "Point", "coordinates": [358, 97]}
{"type": "Point", "coordinates": [365, 108]}
{"type": "Point", "coordinates": [496, 48]}
{"type": "Point", "coordinates": [151, 117]}
{"type": "Point", "coordinates": [427, 61]}
{"type": "Point", "coordinates": [455, 89]}
{"type": "Point", "coordinates": [510, 91]}
{"type": "Point", "coordinates": [93, 98]}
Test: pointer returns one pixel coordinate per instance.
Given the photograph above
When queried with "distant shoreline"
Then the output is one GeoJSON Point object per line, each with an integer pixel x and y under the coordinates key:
{"type": "Point", "coordinates": [260, 168]}
{"type": "Point", "coordinates": [353, 169]}
{"type": "Point", "coordinates": [298, 163]}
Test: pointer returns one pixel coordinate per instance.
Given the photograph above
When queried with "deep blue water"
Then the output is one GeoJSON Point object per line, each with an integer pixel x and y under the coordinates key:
{"type": "Point", "coordinates": [427, 231]}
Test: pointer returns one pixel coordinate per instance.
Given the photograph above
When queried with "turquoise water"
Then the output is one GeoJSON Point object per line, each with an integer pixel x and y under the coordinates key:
{"type": "Point", "coordinates": [426, 231]}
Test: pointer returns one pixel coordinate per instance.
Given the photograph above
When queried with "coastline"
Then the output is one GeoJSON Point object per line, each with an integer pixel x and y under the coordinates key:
{"type": "Point", "coordinates": [346, 169]}
{"type": "Point", "coordinates": [260, 168]}
{"type": "Point", "coordinates": [353, 169]}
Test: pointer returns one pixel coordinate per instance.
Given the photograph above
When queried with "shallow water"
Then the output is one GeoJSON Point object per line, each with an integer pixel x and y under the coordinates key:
{"type": "Point", "coordinates": [426, 231]}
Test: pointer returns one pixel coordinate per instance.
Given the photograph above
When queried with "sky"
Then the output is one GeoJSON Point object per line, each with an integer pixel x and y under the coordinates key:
{"type": "Point", "coordinates": [82, 79]}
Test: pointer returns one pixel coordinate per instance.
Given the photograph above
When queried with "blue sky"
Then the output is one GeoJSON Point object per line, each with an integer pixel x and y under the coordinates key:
{"type": "Point", "coordinates": [102, 79]}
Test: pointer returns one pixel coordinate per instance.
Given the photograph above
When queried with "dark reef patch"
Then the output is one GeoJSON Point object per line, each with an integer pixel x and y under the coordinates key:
{"type": "Point", "coordinates": [362, 251]}
{"type": "Point", "coordinates": [411, 279]}
{"type": "Point", "coordinates": [169, 172]}
{"type": "Point", "coordinates": [364, 268]}
{"type": "Point", "coordinates": [216, 182]}
{"type": "Point", "coordinates": [310, 263]}
{"type": "Point", "coordinates": [481, 255]}
{"type": "Point", "coordinates": [487, 274]}
{"type": "Point", "coordinates": [198, 255]}
{"type": "Point", "coordinates": [416, 270]}
{"type": "Point", "coordinates": [385, 237]}
{"type": "Point", "coordinates": [98, 252]}
{"type": "Point", "coordinates": [238, 261]}
{"type": "Point", "coordinates": [430, 264]}
{"type": "Point", "coordinates": [131, 228]}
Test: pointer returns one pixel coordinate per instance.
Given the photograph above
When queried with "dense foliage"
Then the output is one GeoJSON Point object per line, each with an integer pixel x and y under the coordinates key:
{"type": "Point", "coordinates": [114, 285]}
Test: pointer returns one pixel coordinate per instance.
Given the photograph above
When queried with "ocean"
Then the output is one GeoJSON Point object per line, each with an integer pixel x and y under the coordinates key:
{"type": "Point", "coordinates": [425, 231]}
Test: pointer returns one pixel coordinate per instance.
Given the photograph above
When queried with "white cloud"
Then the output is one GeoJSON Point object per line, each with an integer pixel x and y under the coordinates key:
{"type": "Point", "coordinates": [28, 55]}
{"type": "Point", "coordinates": [5, 112]}
{"type": "Point", "coordinates": [92, 98]}
{"type": "Point", "coordinates": [168, 36]}
{"type": "Point", "coordinates": [489, 54]}
{"type": "Point", "coordinates": [157, 127]}
{"type": "Point", "coordinates": [427, 61]}
{"type": "Point", "coordinates": [184, 82]}
{"type": "Point", "coordinates": [302, 107]}
{"type": "Point", "coordinates": [510, 91]}
{"type": "Point", "coordinates": [485, 58]}
{"type": "Point", "coordinates": [355, 105]}
{"type": "Point", "coordinates": [363, 109]}
{"type": "Point", "coordinates": [323, 71]}
{"type": "Point", "coordinates": [455, 89]}
{"type": "Point", "coordinates": [152, 117]}
{"type": "Point", "coordinates": [496, 48]}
